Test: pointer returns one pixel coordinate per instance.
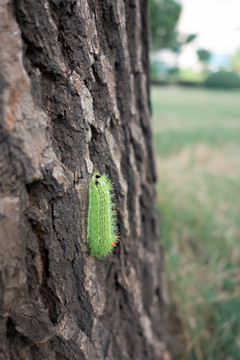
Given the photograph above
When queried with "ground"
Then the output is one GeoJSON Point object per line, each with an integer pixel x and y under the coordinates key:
{"type": "Point", "coordinates": [197, 147]}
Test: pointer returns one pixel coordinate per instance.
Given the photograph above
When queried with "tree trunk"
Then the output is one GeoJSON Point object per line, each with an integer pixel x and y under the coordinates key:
{"type": "Point", "coordinates": [75, 98]}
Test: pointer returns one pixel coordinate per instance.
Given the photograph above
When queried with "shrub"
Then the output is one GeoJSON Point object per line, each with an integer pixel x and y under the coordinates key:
{"type": "Point", "coordinates": [223, 79]}
{"type": "Point", "coordinates": [158, 71]}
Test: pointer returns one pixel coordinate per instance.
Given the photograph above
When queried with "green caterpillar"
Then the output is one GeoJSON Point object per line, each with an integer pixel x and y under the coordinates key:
{"type": "Point", "coordinates": [101, 224]}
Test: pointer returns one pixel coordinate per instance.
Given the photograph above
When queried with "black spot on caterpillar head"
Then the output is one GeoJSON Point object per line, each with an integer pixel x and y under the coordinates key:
{"type": "Point", "coordinates": [97, 177]}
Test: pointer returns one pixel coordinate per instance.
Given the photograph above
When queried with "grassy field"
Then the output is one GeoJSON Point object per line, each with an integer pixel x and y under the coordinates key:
{"type": "Point", "coordinates": [197, 147]}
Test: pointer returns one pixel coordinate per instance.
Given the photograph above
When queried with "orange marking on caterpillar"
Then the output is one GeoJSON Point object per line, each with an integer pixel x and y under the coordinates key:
{"type": "Point", "coordinates": [113, 243]}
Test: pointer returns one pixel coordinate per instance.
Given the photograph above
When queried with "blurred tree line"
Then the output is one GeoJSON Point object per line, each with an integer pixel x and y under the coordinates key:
{"type": "Point", "coordinates": [164, 15]}
{"type": "Point", "coordinates": [164, 18]}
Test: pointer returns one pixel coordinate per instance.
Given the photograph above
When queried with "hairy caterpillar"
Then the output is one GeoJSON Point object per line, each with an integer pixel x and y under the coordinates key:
{"type": "Point", "coordinates": [101, 223]}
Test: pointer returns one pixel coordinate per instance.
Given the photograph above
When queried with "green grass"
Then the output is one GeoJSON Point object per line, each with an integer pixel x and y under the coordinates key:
{"type": "Point", "coordinates": [190, 75]}
{"type": "Point", "coordinates": [197, 146]}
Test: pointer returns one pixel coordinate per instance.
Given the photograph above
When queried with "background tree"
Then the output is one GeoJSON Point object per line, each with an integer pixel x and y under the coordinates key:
{"type": "Point", "coordinates": [164, 17]}
{"type": "Point", "coordinates": [204, 55]}
{"type": "Point", "coordinates": [75, 98]}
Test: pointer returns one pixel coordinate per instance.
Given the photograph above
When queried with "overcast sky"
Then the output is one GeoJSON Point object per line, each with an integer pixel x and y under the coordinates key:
{"type": "Point", "coordinates": [217, 23]}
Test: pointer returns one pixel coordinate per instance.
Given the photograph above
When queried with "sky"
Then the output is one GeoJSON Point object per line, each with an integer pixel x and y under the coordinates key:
{"type": "Point", "coordinates": [217, 23]}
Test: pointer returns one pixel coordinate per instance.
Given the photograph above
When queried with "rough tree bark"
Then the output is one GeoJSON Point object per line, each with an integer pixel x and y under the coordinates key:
{"type": "Point", "coordinates": [75, 98]}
